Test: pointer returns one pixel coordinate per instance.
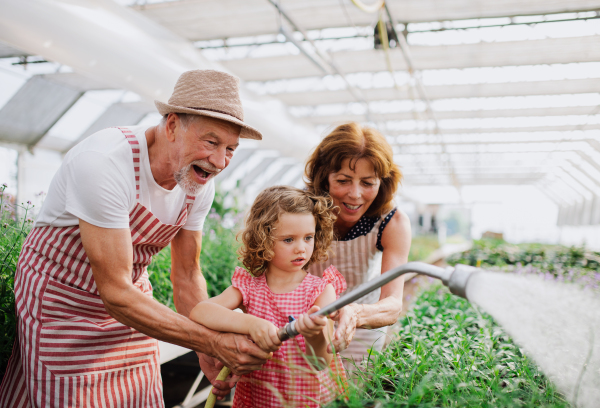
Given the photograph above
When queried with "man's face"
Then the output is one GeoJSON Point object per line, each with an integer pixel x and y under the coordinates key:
{"type": "Point", "coordinates": [203, 149]}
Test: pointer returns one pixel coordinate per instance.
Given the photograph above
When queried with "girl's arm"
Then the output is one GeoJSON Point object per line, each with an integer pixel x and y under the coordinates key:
{"type": "Point", "coordinates": [318, 330]}
{"type": "Point", "coordinates": [396, 239]}
{"type": "Point", "coordinates": [217, 314]}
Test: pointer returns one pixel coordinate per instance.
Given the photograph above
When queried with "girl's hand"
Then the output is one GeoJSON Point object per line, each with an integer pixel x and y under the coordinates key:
{"type": "Point", "coordinates": [311, 326]}
{"type": "Point", "coordinates": [264, 334]}
{"type": "Point", "coordinates": [347, 318]}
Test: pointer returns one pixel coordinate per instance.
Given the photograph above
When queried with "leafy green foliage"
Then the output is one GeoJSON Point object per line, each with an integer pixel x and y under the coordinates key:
{"type": "Point", "coordinates": [422, 246]}
{"type": "Point", "coordinates": [551, 262]}
{"type": "Point", "coordinates": [160, 277]}
{"type": "Point", "coordinates": [219, 252]}
{"type": "Point", "coordinates": [13, 231]}
{"type": "Point", "coordinates": [448, 354]}
{"type": "Point", "coordinates": [550, 258]}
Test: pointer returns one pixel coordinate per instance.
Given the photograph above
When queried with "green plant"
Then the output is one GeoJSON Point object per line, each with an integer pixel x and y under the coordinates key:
{"type": "Point", "coordinates": [13, 231]}
{"type": "Point", "coordinates": [551, 262]}
{"type": "Point", "coordinates": [422, 246]}
{"type": "Point", "coordinates": [218, 258]}
{"type": "Point", "coordinates": [550, 258]}
{"type": "Point", "coordinates": [448, 354]}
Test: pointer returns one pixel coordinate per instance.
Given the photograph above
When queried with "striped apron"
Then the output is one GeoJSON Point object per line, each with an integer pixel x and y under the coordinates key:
{"type": "Point", "coordinates": [359, 261]}
{"type": "Point", "coordinates": [69, 351]}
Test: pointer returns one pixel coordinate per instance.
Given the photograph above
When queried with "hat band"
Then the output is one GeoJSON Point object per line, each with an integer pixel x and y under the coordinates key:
{"type": "Point", "coordinates": [216, 110]}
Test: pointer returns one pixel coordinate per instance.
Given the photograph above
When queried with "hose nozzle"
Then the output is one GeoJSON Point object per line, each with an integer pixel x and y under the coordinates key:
{"type": "Point", "coordinates": [457, 282]}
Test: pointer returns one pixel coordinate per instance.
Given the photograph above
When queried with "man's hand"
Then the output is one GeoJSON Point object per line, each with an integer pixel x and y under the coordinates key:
{"type": "Point", "coordinates": [211, 367]}
{"type": "Point", "coordinates": [238, 353]}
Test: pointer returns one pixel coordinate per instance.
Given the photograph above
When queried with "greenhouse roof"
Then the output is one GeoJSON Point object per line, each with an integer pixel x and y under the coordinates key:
{"type": "Point", "coordinates": [470, 92]}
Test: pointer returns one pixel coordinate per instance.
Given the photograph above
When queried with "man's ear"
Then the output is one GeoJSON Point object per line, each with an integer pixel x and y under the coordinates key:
{"type": "Point", "coordinates": [173, 123]}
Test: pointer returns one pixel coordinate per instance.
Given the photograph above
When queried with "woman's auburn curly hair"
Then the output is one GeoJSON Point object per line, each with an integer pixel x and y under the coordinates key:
{"type": "Point", "coordinates": [257, 237]}
{"type": "Point", "coordinates": [353, 141]}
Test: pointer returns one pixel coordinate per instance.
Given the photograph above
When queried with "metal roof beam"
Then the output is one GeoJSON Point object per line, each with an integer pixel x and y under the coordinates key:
{"type": "Point", "coordinates": [39, 104]}
{"type": "Point", "coordinates": [201, 20]}
{"type": "Point", "coordinates": [562, 87]}
{"type": "Point", "coordinates": [484, 54]}
{"type": "Point", "coordinates": [479, 181]}
{"type": "Point", "coordinates": [533, 129]}
{"type": "Point", "coordinates": [449, 115]}
{"type": "Point", "coordinates": [484, 142]}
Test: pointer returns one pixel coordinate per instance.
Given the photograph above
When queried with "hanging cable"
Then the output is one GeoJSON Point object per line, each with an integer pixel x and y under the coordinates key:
{"type": "Point", "coordinates": [327, 59]}
{"type": "Point", "coordinates": [369, 8]}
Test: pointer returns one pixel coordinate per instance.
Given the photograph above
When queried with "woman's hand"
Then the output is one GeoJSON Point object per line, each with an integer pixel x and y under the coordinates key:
{"type": "Point", "coordinates": [348, 319]}
{"type": "Point", "coordinates": [311, 326]}
{"type": "Point", "coordinates": [264, 334]}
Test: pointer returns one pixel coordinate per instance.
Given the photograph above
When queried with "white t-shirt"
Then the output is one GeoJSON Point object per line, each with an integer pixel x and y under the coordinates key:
{"type": "Point", "coordinates": [96, 183]}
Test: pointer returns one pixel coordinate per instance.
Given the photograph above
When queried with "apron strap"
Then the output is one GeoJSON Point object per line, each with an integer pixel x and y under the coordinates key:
{"type": "Point", "coordinates": [135, 149]}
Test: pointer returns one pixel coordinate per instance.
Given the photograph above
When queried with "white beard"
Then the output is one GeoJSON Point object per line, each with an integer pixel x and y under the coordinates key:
{"type": "Point", "coordinates": [185, 180]}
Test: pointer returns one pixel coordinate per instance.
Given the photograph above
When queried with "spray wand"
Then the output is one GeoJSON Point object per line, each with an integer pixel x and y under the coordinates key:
{"type": "Point", "coordinates": [454, 278]}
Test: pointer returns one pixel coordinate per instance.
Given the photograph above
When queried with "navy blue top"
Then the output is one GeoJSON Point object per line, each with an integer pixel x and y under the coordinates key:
{"type": "Point", "coordinates": [365, 225]}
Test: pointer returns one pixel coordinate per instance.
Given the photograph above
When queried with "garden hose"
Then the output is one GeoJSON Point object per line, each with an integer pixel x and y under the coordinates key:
{"type": "Point", "coordinates": [455, 278]}
{"type": "Point", "coordinates": [212, 398]}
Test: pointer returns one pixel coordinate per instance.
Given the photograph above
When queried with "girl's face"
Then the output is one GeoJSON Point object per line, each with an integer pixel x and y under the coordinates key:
{"type": "Point", "coordinates": [353, 191]}
{"type": "Point", "coordinates": [294, 241]}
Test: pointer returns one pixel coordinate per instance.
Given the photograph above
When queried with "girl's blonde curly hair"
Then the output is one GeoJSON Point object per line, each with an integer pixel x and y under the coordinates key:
{"type": "Point", "coordinates": [257, 238]}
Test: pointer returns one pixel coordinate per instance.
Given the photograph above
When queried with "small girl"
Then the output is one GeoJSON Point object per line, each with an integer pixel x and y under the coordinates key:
{"type": "Point", "coordinates": [287, 229]}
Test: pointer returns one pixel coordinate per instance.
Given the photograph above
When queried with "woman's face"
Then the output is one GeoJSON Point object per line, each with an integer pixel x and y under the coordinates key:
{"type": "Point", "coordinates": [353, 191]}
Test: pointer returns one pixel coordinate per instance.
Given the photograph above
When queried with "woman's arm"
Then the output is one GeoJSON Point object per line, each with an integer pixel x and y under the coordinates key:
{"type": "Point", "coordinates": [317, 330]}
{"type": "Point", "coordinates": [396, 239]}
{"type": "Point", "coordinates": [217, 314]}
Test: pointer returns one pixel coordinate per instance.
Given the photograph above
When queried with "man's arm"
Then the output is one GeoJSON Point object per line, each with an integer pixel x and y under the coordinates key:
{"type": "Point", "coordinates": [111, 257]}
{"type": "Point", "coordinates": [189, 285]}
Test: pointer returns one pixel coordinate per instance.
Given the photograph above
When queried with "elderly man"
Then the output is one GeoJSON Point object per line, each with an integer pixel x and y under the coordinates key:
{"type": "Point", "coordinates": [87, 323]}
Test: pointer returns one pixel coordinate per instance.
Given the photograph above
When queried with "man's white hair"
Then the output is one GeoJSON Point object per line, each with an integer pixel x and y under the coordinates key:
{"type": "Point", "coordinates": [184, 118]}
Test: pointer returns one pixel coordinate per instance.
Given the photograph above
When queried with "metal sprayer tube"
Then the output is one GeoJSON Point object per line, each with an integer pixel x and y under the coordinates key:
{"type": "Point", "coordinates": [289, 330]}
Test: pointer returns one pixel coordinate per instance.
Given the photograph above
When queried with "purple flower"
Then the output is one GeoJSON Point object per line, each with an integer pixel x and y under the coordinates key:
{"type": "Point", "coordinates": [4, 185]}
{"type": "Point", "coordinates": [29, 202]}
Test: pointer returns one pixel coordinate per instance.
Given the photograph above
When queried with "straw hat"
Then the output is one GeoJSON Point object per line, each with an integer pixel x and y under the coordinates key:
{"type": "Point", "coordinates": [209, 93]}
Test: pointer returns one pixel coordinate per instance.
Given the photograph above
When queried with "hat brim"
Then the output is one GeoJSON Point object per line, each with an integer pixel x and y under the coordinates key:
{"type": "Point", "coordinates": [247, 132]}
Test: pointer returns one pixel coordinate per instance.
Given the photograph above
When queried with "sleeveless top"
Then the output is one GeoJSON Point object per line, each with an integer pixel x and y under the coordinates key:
{"type": "Point", "coordinates": [358, 257]}
{"type": "Point", "coordinates": [69, 351]}
{"type": "Point", "coordinates": [287, 379]}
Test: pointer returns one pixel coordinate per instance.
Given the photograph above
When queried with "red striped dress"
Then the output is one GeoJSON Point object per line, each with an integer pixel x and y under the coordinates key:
{"type": "Point", "coordinates": [287, 379]}
{"type": "Point", "coordinates": [69, 351]}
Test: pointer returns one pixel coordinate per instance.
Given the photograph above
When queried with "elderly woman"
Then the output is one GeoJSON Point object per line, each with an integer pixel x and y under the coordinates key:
{"type": "Point", "coordinates": [354, 165]}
